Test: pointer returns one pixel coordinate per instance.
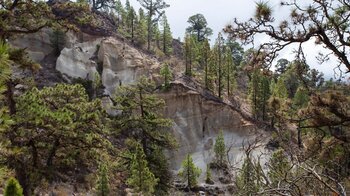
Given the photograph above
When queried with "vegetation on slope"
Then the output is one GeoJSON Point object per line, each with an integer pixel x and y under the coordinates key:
{"type": "Point", "coordinates": [59, 133]}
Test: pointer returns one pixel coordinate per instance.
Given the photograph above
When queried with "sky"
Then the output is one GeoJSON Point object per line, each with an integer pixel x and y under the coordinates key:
{"type": "Point", "coordinates": [219, 13]}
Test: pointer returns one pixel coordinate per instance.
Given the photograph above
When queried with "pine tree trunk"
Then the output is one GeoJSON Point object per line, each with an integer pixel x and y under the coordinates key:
{"type": "Point", "coordinates": [228, 81]}
{"type": "Point", "coordinates": [34, 154]}
{"type": "Point", "coordinates": [52, 152]}
{"type": "Point", "coordinates": [149, 27]}
{"type": "Point", "coordinates": [220, 74]}
{"type": "Point", "coordinates": [9, 97]}
{"type": "Point", "coordinates": [300, 145]}
{"type": "Point", "coordinates": [206, 73]}
{"type": "Point", "coordinates": [132, 29]}
{"type": "Point", "coordinates": [22, 177]}
{"type": "Point", "coordinates": [164, 41]}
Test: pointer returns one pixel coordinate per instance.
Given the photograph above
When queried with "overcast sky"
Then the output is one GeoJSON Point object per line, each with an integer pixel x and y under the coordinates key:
{"type": "Point", "coordinates": [219, 13]}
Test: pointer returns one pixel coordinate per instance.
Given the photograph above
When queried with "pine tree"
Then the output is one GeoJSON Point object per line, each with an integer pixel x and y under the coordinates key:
{"type": "Point", "coordinates": [278, 101]}
{"type": "Point", "coordinates": [166, 73]}
{"type": "Point", "coordinates": [141, 179]}
{"type": "Point", "coordinates": [229, 70]}
{"type": "Point", "coordinates": [247, 181]}
{"type": "Point", "coordinates": [103, 181]}
{"type": "Point", "coordinates": [188, 52]}
{"type": "Point", "coordinates": [67, 120]}
{"type": "Point", "coordinates": [205, 60]}
{"type": "Point", "coordinates": [141, 119]}
{"type": "Point", "coordinates": [236, 52]}
{"type": "Point", "coordinates": [279, 168]}
{"type": "Point", "coordinates": [121, 14]}
{"type": "Point", "coordinates": [157, 37]}
{"type": "Point", "coordinates": [265, 93]}
{"type": "Point", "coordinates": [127, 6]}
{"type": "Point", "coordinates": [259, 94]}
{"type": "Point", "coordinates": [13, 188]}
{"type": "Point", "coordinates": [189, 172]}
{"type": "Point", "coordinates": [5, 74]}
{"type": "Point", "coordinates": [141, 30]}
{"type": "Point", "coordinates": [199, 27]}
{"type": "Point", "coordinates": [220, 149]}
{"type": "Point", "coordinates": [208, 177]}
{"type": "Point", "coordinates": [281, 66]}
{"type": "Point", "coordinates": [167, 38]}
{"type": "Point", "coordinates": [301, 98]}
{"type": "Point", "coordinates": [153, 7]}
{"type": "Point", "coordinates": [219, 54]}
{"type": "Point", "coordinates": [212, 70]}
{"type": "Point", "coordinates": [159, 166]}
{"type": "Point", "coordinates": [254, 92]}
{"type": "Point", "coordinates": [131, 23]}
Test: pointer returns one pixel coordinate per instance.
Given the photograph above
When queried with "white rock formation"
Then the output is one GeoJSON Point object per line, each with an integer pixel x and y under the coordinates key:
{"type": "Point", "coordinates": [77, 61]}
{"type": "Point", "coordinates": [197, 122]}
{"type": "Point", "coordinates": [122, 64]}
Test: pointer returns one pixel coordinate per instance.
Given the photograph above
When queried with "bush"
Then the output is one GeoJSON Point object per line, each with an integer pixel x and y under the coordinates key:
{"type": "Point", "coordinates": [13, 188]}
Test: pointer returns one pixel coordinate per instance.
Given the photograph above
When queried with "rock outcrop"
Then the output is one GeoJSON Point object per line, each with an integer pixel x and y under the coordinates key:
{"type": "Point", "coordinates": [118, 62]}
{"type": "Point", "coordinates": [123, 64]}
{"type": "Point", "coordinates": [37, 45]}
{"type": "Point", "coordinates": [196, 123]}
{"type": "Point", "coordinates": [77, 61]}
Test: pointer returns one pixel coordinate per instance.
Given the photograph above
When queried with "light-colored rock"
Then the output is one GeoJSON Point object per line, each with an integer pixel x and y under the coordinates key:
{"type": "Point", "coordinates": [196, 123]}
{"type": "Point", "coordinates": [123, 64]}
{"type": "Point", "coordinates": [77, 61]}
{"type": "Point", "coordinates": [37, 45]}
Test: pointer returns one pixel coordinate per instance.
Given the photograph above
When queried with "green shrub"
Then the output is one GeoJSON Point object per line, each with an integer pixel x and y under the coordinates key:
{"type": "Point", "coordinates": [13, 188]}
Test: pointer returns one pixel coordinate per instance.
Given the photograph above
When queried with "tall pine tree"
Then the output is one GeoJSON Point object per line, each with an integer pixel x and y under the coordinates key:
{"type": "Point", "coordinates": [189, 172]}
{"type": "Point", "coordinates": [141, 30]}
{"type": "Point", "coordinates": [103, 181]}
{"type": "Point", "coordinates": [155, 9]}
{"type": "Point", "coordinates": [220, 149]}
{"type": "Point", "coordinates": [141, 119]}
{"type": "Point", "coordinates": [141, 179]}
{"type": "Point", "coordinates": [167, 39]}
{"type": "Point", "coordinates": [219, 60]}
{"type": "Point", "coordinates": [205, 61]}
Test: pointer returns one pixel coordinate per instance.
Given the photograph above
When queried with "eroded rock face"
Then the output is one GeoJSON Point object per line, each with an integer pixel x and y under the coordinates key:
{"type": "Point", "coordinates": [37, 45]}
{"type": "Point", "coordinates": [122, 64]}
{"type": "Point", "coordinates": [77, 61]}
{"type": "Point", "coordinates": [119, 62]}
{"type": "Point", "coordinates": [197, 122]}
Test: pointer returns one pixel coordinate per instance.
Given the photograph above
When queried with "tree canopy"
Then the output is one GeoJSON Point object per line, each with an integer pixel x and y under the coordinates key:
{"type": "Point", "coordinates": [155, 10]}
{"type": "Point", "coordinates": [199, 27]}
{"type": "Point", "coordinates": [324, 22]}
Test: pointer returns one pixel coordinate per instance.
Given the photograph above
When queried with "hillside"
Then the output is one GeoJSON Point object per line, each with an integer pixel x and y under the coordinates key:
{"type": "Point", "coordinates": [100, 99]}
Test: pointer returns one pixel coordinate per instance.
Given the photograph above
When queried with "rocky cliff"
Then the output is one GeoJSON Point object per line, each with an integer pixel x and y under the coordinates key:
{"type": "Point", "coordinates": [197, 119]}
